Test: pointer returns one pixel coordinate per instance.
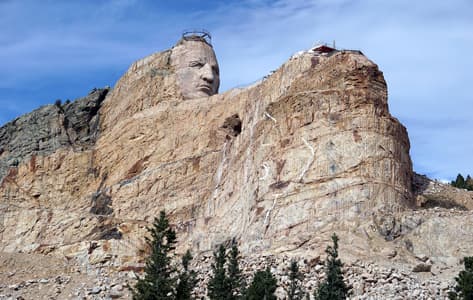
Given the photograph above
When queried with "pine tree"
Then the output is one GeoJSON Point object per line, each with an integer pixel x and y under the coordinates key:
{"type": "Point", "coordinates": [459, 182]}
{"type": "Point", "coordinates": [187, 279]}
{"type": "Point", "coordinates": [263, 286]}
{"type": "Point", "coordinates": [295, 291]}
{"type": "Point", "coordinates": [464, 288]}
{"type": "Point", "coordinates": [333, 288]}
{"type": "Point", "coordinates": [469, 183]}
{"type": "Point", "coordinates": [219, 287]}
{"type": "Point", "coordinates": [462, 183]}
{"type": "Point", "coordinates": [237, 284]}
{"type": "Point", "coordinates": [159, 280]}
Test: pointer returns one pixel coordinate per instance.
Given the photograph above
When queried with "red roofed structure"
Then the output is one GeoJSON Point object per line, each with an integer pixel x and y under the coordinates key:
{"type": "Point", "coordinates": [323, 49]}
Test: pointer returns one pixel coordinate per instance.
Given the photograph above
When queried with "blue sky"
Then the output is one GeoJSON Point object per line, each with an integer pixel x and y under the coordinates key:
{"type": "Point", "coordinates": [62, 49]}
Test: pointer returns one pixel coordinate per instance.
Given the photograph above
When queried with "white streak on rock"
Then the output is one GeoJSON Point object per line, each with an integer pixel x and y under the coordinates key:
{"type": "Point", "coordinates": [270, 117]}
{"type": "Point", "coordinates": [266, 171]}
{"type": "Point", "coordinates": [310, 161]}
{"type": "Point", "coordinates": [268, 213]}
{"type": "Point", "coordinates": [218, 178]}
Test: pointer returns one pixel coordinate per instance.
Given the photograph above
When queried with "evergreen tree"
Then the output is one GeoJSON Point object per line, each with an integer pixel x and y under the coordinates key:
{"type": "Point", "coordinates": [237, 284]}
{"type": "Point", "coordinates": [219, 286]}
{"type": "Point", "coordinates": [469, 183]}
{"type": "Point", "coordinates": [187, 279]}
{"type": "Point", "coordinates": [464, 288]}
{"type": "Point", "coordinates": [462, 183]}
{"type": "Point", "coordinates": [459, 182]}
{"type": "Point", "coordinates": [295, 291]}
{"type": "Point", "coordinates": [263, 286]}
{"type": "Point", "coordinates": [333, 288]}
{"type": "Point", "coordinates": [158, 282]}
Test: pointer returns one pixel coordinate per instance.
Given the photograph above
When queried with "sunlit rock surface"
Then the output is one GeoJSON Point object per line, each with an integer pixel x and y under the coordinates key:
{"type": "Point", "coordinates": [280, 165]}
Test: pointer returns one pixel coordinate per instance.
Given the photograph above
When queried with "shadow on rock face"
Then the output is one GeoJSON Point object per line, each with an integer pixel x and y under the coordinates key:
{"type": "Point", "coordinates": [232, 126]}
{"type": "Point", "coordinates": [101, 204]}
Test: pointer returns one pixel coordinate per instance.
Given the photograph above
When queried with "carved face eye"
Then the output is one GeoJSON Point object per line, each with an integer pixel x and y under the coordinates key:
{"type": "Point", "coordinates": [196, 64]}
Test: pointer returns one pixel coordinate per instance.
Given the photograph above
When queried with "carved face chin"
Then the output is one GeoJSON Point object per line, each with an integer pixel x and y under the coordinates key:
{"type": "Point", "coordinates": [196, 69]}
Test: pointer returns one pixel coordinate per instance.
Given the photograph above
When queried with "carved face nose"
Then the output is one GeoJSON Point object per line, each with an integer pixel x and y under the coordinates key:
{"type": "Point", "coordinates": [207, 73]}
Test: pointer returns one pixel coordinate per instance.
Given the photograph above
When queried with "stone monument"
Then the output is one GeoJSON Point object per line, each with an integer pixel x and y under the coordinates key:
{"type": "Point", "coordinates": [196, 67]}
{"type": "Point", "coordinates": [279, 166]}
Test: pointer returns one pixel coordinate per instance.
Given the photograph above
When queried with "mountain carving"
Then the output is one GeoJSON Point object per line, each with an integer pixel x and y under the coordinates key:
{"type": "Point", "coordinates": [279, 166]}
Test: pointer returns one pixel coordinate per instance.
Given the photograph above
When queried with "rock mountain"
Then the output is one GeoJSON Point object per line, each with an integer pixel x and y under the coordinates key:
{"type": "Point", "coordinates": [279, 166]}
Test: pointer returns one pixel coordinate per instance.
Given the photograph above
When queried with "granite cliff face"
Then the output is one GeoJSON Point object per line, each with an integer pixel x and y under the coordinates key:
{"type": "Point", "coordinates": [279, 165]}
{"type": "Point", "coordinates": [50, 128]}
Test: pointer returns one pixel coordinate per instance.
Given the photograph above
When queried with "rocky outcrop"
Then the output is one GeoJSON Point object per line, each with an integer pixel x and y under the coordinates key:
{"type": "Point", "coordinates": [49, 128]}
{"type": "Point", "coordinates": [431, 193]}
{"type": "Point", "coordinates": [279, 166]}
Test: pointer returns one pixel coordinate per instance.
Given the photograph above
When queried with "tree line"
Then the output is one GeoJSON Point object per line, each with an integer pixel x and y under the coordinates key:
{"type": "Point", "coordinates": [164, 281]}
{"type": "Point", "coordinates": [462, 183]}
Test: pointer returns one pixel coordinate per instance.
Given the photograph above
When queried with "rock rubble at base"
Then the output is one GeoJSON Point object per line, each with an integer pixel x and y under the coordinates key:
{"type": "Point", "coordinates": [368, 281]}
{"type": "Point", "coordinates": [97, 284]}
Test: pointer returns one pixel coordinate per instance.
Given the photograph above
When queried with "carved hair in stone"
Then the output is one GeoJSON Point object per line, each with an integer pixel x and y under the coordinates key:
{"type": "Point", "coordinates": [196, 68]}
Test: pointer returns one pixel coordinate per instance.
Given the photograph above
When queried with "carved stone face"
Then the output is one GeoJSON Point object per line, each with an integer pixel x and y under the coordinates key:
{"type": "Point", "coordinates": [196, 69]}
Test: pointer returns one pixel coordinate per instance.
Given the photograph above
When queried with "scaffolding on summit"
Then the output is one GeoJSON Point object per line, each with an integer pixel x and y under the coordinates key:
{"type": "Point", "coordinates": [197, 34]}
